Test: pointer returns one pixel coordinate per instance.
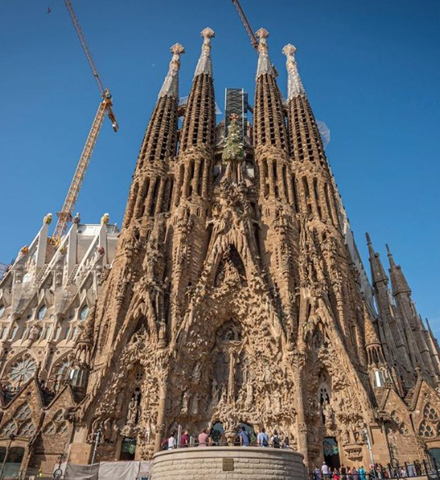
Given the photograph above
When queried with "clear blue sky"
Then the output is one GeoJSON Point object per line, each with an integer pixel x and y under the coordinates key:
{"type": "Point", "coordinates": [371, 70]}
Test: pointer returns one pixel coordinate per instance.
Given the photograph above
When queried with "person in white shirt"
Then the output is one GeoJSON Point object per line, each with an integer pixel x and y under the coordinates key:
{"type": "Point", "coordinates": [172, 441]}
{"type": "Point", "coordinates": [325, 471]}
{"type": "Point", "coordinates": [263, 438]}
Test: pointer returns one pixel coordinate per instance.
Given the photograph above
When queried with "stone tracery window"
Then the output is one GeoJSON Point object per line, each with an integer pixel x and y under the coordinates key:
{"type": "Point", "coordinates": [430, 413]}
{"type": "Point", "coordinates": [9, 429]}
{"type": "Point", "coordinates": [41, 312]}
{"type": "Point", "coordinates": [23, 412]}
{"type": "Point", "coordinates": [57, 425]}
{"type": "Point", "coordinates": [426, 430]}
{"type": "Point", "coordinates": [62, 428]}
{"type": "Point", "coordinates": [59, 373]}
{"type": "Point", "coordinates": [49, 429]}
{"type": "Point", "coordinates": [83, 313]}
{"type": "Point", "coordinates": [27, 429]}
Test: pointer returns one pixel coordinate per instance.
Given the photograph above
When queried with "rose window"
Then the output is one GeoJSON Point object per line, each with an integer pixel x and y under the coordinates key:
{"type": "Point", "coordinates": [426, 430]}
{"type": "Point", "coordinates": [22, 370]}
{"type": "Point", "coordinates": [23, 412]}
{"type": "Point", "coordinates": [27, 429]}
{"type": "Point", "coordinates": [9, 429]}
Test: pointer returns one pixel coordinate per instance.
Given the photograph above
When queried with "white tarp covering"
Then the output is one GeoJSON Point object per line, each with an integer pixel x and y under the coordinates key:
{"type": "Point", "coordinates": [108, 471]}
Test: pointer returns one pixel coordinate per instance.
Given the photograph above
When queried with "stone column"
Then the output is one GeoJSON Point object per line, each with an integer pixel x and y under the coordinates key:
{"type": "Point", "coordinates": [301, 417]}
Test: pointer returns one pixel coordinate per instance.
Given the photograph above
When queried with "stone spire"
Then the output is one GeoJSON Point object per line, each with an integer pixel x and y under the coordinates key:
{"type": "Point", "coordinates": [269, 125]}
{"type": "Point", "coordinates": [377, 271]}
{"type": "Point", "coordinates": [264, 63]}
{"type": "Point", "coordinates": [294, 83]}
{"type": "Point", "coordinates": [398, 280]}
{"type": "Point", "coordinates": [148, 191]}
{"type": "Point", "coordinates": [199, 120]}
{"type": "Point", "coordinates": [170, 85]}
{"type": "Point", "coordinates": [204, 65]}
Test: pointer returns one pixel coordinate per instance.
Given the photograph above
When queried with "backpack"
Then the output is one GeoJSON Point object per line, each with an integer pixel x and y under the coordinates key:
{"type": "Point", "coordinates": [276, 441]}
{"type": "Point", "coordinates": [265, 441]}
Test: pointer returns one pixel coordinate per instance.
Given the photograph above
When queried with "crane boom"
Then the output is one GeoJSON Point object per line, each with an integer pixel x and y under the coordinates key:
{"type": "Point", "coordinates": [105, 108]}
{"type": "Point", "coordinates": [245, 22]}
{"type": "Point", "coordinates": [65, 216]}
{"type": "Point", "coordinates": [84, 45]}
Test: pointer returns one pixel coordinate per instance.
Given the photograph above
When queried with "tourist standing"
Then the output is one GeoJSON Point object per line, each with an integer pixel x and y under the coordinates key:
{"type": "Point", "coordinates": [343, 472]}
{"type": "Point", "coordinates": [263, 438]}
{"type": "Point", "coordinates": [184, 439]}
{"type": "Point", "coordinates": [316, 474]}
{"type": "Point", "coordinates": [275, 440]}
{"type": "Point", "coordinates": [244, 437]}
{"type": "Point", "coordinates": [362, 473]}
{"type": "Point", "coordinates": [172, 441]}
{"type": "Point", "coordinates": [325, 471]}
{"type": "Point", "coordinates": [203, 438]}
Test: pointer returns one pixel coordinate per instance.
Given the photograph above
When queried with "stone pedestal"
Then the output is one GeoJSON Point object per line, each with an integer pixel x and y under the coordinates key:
{"type": "Point", "coordinates": [221, 463]}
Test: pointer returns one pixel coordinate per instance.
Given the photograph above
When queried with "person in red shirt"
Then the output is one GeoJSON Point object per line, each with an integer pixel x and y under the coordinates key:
{"type": "Point", "coordinates": [184, 439]}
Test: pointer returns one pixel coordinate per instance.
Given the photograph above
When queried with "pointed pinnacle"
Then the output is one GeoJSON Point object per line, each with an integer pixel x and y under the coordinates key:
{"type": "Point", "coordinates": [390, 256]}
{"type": "Point", "coordinates": [294, 83]}
{"type": "Point", "coordinates": [367, 236]}
{"type": "Point", "coordinates": [264, 63]}
{"type": "Point", "coordinates": [171, 83]}
{"type": "Point", "coordinates": [204, 63]}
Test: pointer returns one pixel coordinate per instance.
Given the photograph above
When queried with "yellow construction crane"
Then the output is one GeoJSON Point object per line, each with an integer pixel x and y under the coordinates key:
{"type": "Point", "coordinates": [104, 108]}
{"type": "Point", "coordinates": [245, 22]}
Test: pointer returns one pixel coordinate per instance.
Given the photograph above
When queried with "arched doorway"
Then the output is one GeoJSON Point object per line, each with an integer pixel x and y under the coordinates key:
{"type": "Point", "coordinates": [128, 449]}
{"type": "Point", "coordinates": [217, 434]}
{"type": "Point", "coordinates": [331, 452]}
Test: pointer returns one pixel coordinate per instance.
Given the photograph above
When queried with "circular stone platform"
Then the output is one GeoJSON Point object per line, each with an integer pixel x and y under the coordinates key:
{"type": "Point", "coordinates": [220, 463]}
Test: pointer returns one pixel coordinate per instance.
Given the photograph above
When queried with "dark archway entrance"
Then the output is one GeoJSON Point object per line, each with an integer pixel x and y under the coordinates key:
{"type": "Point", "coordinates": [128, 449]}
{"type": "Point", "coordinates": [13, 461]}
{"type": "Point", "coordinates": [331, 452]}
{"type": "Point", "coordinates": [434, 453]}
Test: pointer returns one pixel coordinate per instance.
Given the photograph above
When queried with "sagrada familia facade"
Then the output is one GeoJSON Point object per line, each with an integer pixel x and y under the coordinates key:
{"type": "Point", "coordinates": [235, 295]}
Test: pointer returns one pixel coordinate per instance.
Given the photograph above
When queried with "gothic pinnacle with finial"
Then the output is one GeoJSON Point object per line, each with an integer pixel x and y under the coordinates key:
{"type": "Point", "coordinates": [204, 64]}
{"type": "Point", "coordinates": [170, 85]}
{"type": "Point", "coordinates": [264, 63]}
{"type": "Point", "coordinates": [294, 83]}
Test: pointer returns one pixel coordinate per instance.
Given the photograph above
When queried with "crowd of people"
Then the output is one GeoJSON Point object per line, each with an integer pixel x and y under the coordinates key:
{"type": "Point", "coordinates": [244, 437]}
{"type": "Point", "coordinates": [360, 473]}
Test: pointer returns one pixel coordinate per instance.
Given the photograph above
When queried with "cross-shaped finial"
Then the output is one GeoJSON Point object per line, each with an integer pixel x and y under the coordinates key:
{"type": "Point", "coordinates": [233, 117]}
{"type": "Point", "coordinates": [207, 33]}
{"type": "Point", "coordinates": [262, 33]}
{"type": "Point", "coordinates": [177, 49]}
{"type": "Point", "coordinates": [289, 50]}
